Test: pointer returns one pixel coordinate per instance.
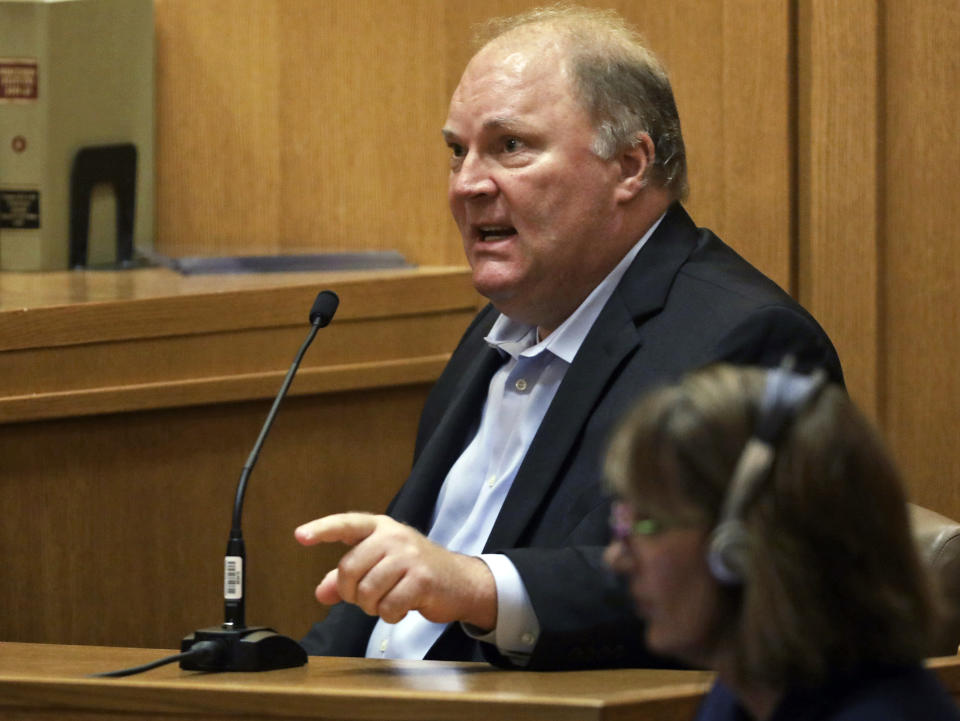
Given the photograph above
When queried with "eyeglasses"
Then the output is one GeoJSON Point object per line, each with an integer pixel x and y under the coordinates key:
{"type": "Point", "coordinates": [623, 525]}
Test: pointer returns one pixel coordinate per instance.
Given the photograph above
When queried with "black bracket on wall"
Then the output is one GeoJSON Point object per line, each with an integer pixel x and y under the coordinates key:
{"type": "Point", "coordinates": [115, 165]}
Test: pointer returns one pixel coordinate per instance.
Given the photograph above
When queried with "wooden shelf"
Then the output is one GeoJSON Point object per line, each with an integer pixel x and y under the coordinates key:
{"type": "Point", "coordinates": [83, 342]}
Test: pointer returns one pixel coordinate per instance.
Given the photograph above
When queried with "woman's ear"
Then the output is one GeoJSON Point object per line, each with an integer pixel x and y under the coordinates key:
{"type": "Point", "coordinates": [635, 165]}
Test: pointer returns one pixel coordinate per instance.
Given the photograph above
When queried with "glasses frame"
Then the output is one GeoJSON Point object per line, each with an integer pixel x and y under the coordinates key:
{"type": "Point", "coordinates": [623, 526]}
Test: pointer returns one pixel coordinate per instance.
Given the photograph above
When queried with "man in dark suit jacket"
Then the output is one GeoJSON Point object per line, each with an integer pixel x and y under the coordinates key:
{"type": "Point", "coordinates": [567, 170]}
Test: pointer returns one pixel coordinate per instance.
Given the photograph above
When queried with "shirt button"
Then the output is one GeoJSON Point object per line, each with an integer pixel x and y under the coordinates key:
{"type": "Point", "coordinates": [383, 645]}
{"type": "Point", "coordinates": [527, 638]}
{"type": "Point", "coordinates": [491, 481]}
{"type": "Point", "coordinates": [521, 385]}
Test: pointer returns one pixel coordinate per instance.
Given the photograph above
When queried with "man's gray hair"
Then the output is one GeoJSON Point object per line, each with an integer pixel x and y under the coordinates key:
{"type": "Point", "coordinates": [620, 82]}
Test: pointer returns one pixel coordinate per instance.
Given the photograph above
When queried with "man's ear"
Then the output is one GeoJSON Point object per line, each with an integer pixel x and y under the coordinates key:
{"type": "Point", "coordinates": [635, 166]}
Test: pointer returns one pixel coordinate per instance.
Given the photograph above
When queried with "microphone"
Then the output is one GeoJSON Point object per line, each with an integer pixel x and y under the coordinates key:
{"type": "Point", "coordinates": [233, 646]}
{"type": "Point", "coordinates": [323, 309]}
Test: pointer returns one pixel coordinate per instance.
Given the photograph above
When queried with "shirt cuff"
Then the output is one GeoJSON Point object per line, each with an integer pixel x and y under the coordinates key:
{"type": "Point", "coordinates": [517, 628]}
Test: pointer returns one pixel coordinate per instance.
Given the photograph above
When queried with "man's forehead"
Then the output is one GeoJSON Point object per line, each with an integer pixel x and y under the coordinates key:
{"type": "Point", "coordinates": [508, 77]}
{"type": "Point", "coordinates": [514, 61]}
{"type": "Point", "coordinates": [520, 55]}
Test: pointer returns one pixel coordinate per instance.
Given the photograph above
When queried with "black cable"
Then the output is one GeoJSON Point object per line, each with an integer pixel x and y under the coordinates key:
{"type": "Point", "coordinates": [205, 650]}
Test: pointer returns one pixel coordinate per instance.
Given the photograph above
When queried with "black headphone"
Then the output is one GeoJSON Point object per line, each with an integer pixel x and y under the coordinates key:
{"type": "Point", "coordinates": [785, 394]}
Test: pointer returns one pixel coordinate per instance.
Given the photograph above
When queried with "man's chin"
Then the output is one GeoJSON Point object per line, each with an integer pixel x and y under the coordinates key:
{"type": "Point", "coordinates": [499, 291]}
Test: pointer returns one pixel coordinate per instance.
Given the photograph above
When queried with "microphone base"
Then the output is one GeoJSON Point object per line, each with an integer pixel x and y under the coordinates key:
{"type": "Point", "coordinates": [251, 648]}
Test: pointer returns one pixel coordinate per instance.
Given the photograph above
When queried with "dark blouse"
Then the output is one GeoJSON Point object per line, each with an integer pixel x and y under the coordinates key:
{"type": "Point", "coordinates": [909, 693]}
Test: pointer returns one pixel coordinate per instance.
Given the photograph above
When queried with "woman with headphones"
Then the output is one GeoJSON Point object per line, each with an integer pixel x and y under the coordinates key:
{"type": "Point", "coordinates": [763, 531]}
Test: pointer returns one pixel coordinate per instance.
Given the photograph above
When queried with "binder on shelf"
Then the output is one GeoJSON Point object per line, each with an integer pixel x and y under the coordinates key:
{"type": "Point", "coordinates": [74, 74]}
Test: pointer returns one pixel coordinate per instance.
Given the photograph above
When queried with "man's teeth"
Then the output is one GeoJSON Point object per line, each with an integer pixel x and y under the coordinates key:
{"type": "Point", "coordinates": [496, 233]}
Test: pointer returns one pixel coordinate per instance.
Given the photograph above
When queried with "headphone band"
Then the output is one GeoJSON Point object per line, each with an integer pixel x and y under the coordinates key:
{"type": "Point", "coordinates": [785, 395]}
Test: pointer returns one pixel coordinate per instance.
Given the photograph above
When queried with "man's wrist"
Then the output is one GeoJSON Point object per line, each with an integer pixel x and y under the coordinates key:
{"type": "Point", "coordinates": [481, 595]}
{"type": "Point", "coordinates": [517, 630]}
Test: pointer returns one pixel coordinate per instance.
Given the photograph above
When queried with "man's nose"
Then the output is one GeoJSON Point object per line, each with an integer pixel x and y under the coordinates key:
{"type": "Point", "coordinates": [472, 179]}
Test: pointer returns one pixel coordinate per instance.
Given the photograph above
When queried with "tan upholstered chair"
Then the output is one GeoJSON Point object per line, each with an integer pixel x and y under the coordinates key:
{"type": "Point", "coordinates": [938, 539]}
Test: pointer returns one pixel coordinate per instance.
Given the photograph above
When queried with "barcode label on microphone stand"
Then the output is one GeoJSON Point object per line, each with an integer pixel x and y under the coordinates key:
{"type": "Point", "coordinates": [232, 578]}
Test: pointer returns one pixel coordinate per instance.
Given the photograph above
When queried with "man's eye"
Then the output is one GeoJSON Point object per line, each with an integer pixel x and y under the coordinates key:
{"type": "Point", "coordinates": [511, 145]}
{"type": "Point", "coordinates": [457, 150]}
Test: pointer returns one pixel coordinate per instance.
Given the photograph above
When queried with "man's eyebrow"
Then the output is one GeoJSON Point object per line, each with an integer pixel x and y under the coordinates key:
{"type": "Point", "coordinates": [503, 123]}
{"type": "Point", "coordinates": [497, 123]}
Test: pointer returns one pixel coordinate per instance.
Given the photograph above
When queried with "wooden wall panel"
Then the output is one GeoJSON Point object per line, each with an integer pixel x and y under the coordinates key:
{"type": "Point", "coordinates": [730, 66]}
{"type": "Point", "coordinates": [294, 125]}
{"type": "Point", "coordinates": [921, 245]}
{"type": "Point", "coordinates": [879, 260]}
{"type": "Point", "coordinates": [755, 208]}
{"type": "Point", "coordinates": [115, 529]}
{"type": "Point", "coordinates": [362, 103]}
{"type": "Point", "coordinates": [837, 189]}
{"type": "Point", "coordinates": [290, 125]}
{"type": "Point", "coordinates": [218, 126]}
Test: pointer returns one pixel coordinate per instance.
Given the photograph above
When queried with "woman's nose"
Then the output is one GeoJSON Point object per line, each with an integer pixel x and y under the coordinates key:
{"type": "Point", "coordinates": [618, 556]}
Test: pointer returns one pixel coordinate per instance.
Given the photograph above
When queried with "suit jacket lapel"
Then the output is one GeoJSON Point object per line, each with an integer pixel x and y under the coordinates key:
{"type": "Point", "coordinates": [616, 333]}
{"type": "Point", "coordinates": [415, 502]}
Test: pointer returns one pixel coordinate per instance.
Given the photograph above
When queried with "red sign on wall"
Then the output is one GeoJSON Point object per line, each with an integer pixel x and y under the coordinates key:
{"type": "Point", "coordinates": [18, 79]}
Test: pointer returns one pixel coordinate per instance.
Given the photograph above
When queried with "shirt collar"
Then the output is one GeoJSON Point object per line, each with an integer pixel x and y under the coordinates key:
{"type": "Point", "coordinates": [516, 339]}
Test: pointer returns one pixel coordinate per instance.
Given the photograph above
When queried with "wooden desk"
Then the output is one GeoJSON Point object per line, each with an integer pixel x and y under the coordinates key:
{"type": "Point", "coordinates": [46, 682]}
{"type": "Point", "coordinates": [51, 682]}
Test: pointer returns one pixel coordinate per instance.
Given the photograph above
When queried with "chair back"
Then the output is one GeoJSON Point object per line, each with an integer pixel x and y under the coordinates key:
{"type": "Point", "coordinates": [938, 540]}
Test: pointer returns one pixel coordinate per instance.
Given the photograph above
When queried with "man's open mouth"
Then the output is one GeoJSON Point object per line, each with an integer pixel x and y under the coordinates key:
{"type": "Point", "coordinates": [493, 233]}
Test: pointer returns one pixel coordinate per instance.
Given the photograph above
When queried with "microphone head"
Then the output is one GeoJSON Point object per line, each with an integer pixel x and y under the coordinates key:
{"type": "Point", "coordinates": [323, 308]}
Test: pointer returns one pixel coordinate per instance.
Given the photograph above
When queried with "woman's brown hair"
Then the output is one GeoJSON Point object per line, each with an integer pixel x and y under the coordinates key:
{"type": "Point", "coordinates": [834, 580]}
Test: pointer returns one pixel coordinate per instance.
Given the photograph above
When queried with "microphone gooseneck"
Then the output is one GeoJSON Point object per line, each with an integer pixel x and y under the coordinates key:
{"type": "Point", "coordinates": [255, 648]}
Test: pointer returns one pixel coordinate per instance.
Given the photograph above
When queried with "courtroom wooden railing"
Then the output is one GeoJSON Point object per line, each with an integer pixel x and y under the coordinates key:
{"type": "Point", "coordinates": [74, 344]}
